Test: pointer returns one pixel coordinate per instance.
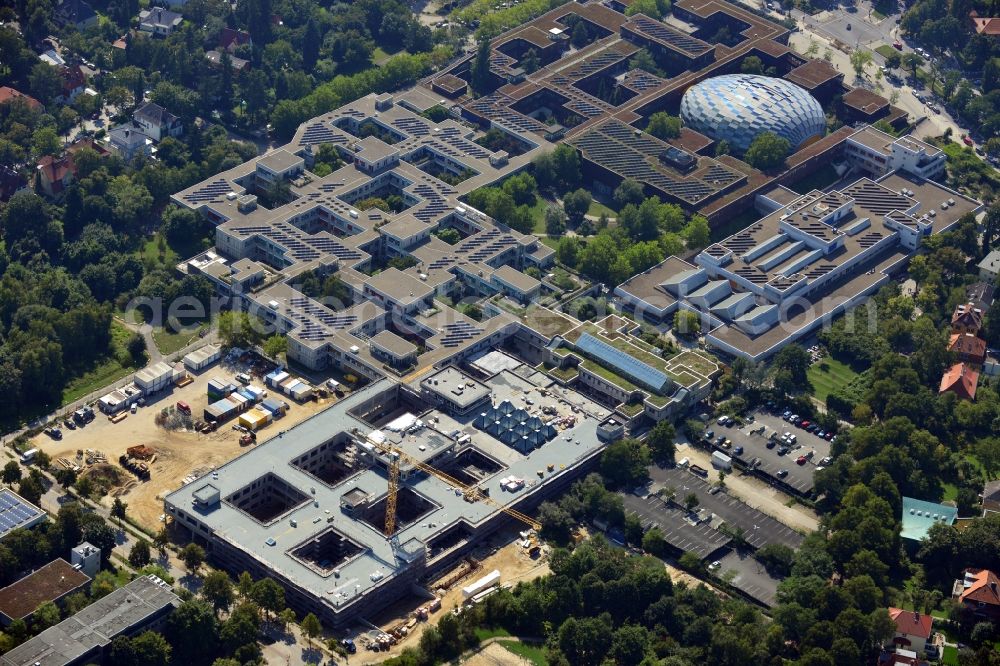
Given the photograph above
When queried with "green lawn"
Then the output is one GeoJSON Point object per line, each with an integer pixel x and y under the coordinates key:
{"type": "Point", "coordinates": [949, 656]}
{"type": "Point", "coordinates": [151, 253]}
{"type": "Point", "coordinates": [885, 50]}
{"type": "Point", "coordinates": [538, 215]}
{"type": "Point", "coordinates": [169, 343]}
{"type": "Point", "coordinates": [829, 375]}
{"type": "Point", "coordinates": [104, 372]}
{"type": "Point", "coordinates": [950, 491]}
{"type": "Point", "coordinates": [533, 653]}
{"type": "Point", "coordinates": [551, 242]}
{"type": "Point", "coordinates": [486, 633]}
{"type": "Point", "coordinates": [597, 209]}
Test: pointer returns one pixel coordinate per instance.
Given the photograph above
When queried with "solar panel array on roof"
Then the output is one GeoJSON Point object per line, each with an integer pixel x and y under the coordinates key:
{"type": "Point", "coordinates": [15, 512]}
{"type": "Point", "coordinates": [628, 365]}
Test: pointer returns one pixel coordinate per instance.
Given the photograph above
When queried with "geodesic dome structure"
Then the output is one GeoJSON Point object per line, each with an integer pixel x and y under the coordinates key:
{"type": "Point", "coordinates": [739, 107]}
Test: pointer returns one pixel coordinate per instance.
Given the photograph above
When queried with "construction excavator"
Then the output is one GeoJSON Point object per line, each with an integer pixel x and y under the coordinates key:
{"type": "Point", "coordinates": [471, 492]}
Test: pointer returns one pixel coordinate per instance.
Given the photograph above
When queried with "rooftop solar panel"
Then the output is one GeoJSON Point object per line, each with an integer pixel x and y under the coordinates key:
{"type": "Point", "coordinates": [16, 512]}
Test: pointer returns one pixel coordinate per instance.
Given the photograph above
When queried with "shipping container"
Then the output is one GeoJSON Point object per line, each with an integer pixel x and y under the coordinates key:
{"type": "Point", "coordinates": [275, 379]}
{"type": "Point", "coordinates": [721, 461]}
{"type": "Point", "coordinates": [276, 407]}
{"type": "Point", "coordinates": [486, 582]}
{"type": "Point", "coordinates": [221, 410]}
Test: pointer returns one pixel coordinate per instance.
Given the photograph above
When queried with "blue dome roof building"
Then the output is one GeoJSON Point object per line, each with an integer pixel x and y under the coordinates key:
{"type": "Point", "coordinates": [739, 107]}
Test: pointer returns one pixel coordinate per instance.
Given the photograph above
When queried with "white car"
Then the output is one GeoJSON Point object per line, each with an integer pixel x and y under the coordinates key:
{"type": "Point", "coordinates": [714, 566]}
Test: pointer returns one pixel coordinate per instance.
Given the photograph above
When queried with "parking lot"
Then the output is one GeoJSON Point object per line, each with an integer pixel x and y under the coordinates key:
{"type": "Point", "coordinates": [760, 529]}
{"type": "Point", "coordinates": [796, 477]}
{"type": "Point", "coordinates": [701, 539]}
{"type": "Point", "coordinates": [751, 577]}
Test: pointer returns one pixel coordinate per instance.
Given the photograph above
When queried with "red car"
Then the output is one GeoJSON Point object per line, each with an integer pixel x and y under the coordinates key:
{"type": "Point", "coordinates": [967, 140]}
{"type": "Point", "coordinates": [898, 46]}
{"type": "Point", "coordinates": [801, 460]}
{"type": "Point", "coordinates": [804, 424]}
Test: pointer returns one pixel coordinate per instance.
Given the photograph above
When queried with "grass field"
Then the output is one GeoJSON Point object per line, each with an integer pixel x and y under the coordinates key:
{"type": "Point", "coordinates": [168, 342]}
{"type": "Point", "coordinates": [104, 372]}
{"type": "Point", "coordinates": [151, 253]}
{"type": "Point", "coordinates": [597, 209]}
{"type": "Point", "coordinates": [538, 214]}
{"type": "Point", "coordinates": [885, 50]}
{"type": "Point", "coordinates": [486, 633]}
{"type": "Point", "coordinates": [829, 375]}
{"type": "Point", "coordinates": [533, 653]}
{"type": "Point", "coordinates": [949, 656]}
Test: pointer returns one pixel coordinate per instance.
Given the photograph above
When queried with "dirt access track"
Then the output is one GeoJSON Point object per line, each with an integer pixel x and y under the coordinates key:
{"type": "Point", "coordinates": [179, 454]}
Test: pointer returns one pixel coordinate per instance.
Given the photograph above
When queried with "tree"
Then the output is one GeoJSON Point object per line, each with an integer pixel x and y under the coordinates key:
{"type": "Point", "coordinates": [275, 346]}
{"type": "Point", "coordinates": [686, 323]}
{"type": "Point", "coordinates": [44, 83]}
{"type": "Point", "coordinates": [151, 649]}
{"type": "Point", "coordinates": [752, 65]}
{"type": "Point", "coordinates": [218, 590]}
{"type": "Point", "coordinates": [481, 79]}
{"type": "Point", "coordinates": [661, 442]}
{"type": "Point", "coordinates": [118, 508]}
{"type": "Point", "coordinates": [577, 203]}
{"type": "Point", "coordinates": [238, 329]}
{"type": "Point", "coordinates": [193, 556]}
{"type": "Point", "coordinates": [654, 543]}
{"type": "Point", "coordinates": [139, 555]}
{"type": "Point", "coordinates": [580, 36]}
{"type": "Point", "coordinates": [530, 62]}
{"type": "Point", "coordinates": [777, 558]}
{"type": "Point", "coordinates": [268, 595]}
{"type": "Point", "coordinates": [136, 348]}
{"type": "Point", "coordinates": [625, 463]}
{"type": "Point", "coordinates": [860, 59]}
{"type": "Point", "coordinates": [630, 191]}
{"type": "Point", "coordinates": [795, 361]}
{"type": "Point", "coordinates": [691, 501]}
{"type": "Point", "coordinates": [697, 233]}
{"type": "Point", "coordinates": [768, 151]}
{"type": "Point", "coordinates": [45, 616]}
{"type": "Point", "coordinates": [11, 473]}
{"type": "Point", "coordinates": [664, 126]}
{"type": "Point", "coordinates": [911, 60]}
{"type": "Point", "coordinates": [555, 221]}
{"type": "Point", "coordinates": [193, 631]}
{"type": "Point", "coordinates": [311, 627]}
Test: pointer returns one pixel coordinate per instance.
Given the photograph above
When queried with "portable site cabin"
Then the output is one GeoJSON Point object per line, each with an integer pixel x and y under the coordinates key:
{"type": "Point", "coordinates": [299, 390]}
{"type": "Point", "coordinates": [221, 410]}
{"type": "Point", "coordinates": [242, 404]}
{"type": "Point", "coordinates": [251, 398]}
{"type": "Point", "coordinates": [486, 582]}
{"type": "Point", "coordinates": [155, 378]}
{"type": "Point", "coordinates": [219, 388]}
{"type": "Point", "coordinates": [275, 407]}
{"type": "Point", "coordinates": [202, 358]}
{"type": "Point", "coordinates": [256, 392]}
{"type": "Point", "coordinates": [255, 418]}
{"type": "Point", "coordinates": [275, 379]}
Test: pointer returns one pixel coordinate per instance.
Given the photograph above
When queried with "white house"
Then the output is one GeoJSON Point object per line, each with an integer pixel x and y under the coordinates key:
{"type": "Point", "coordinates": [156, 122]}
{"type": "Point", "coordinates": [159, 21]}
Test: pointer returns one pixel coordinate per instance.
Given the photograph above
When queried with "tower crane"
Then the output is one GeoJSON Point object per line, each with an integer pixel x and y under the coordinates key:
{"type": "Point", "coordinates": [470, 491]}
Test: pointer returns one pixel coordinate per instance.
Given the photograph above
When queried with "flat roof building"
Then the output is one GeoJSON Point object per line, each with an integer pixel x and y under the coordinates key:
{"type": "Point", "coordinates": [52, 582]}
{"type": "Point", "coordinates": [142, 604]}
{"type": "Point", "coordinates": [17, 513]}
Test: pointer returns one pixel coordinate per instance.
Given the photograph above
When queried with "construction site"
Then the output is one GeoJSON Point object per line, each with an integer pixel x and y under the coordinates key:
{"type": "Point", "coordinates": [393, 493]}
{"type": "Point", "coordinates": [144, 455]}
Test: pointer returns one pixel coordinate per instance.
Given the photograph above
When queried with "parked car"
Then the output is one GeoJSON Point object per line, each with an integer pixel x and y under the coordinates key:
{"type": "Point", "coordinates": [830, 437]}
{"type": "Point", "coordinates": [783, 450]}
{"type": "Point", "coordinates": [898, 45]}
{"type": "Point", "coordinates": [782, 473]}
{"type": "Point", "coordinates": [804, 424]}
{"type": "Point", "coordinates": [770, 443]}
{"type": "Point", "coordinates": [801, 460]}
{"type": "Point", "coordinates": [826, 461]}
{"type": "Point", "coordinates": [738, 451]}
{"type": "Point", "coordinates": [821, 433]}
{"type": "Point", "coordinates": [966, 139]}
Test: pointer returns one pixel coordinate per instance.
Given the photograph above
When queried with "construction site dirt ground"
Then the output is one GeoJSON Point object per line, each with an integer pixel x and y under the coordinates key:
{"type": "Point", "coordinates": [179, 453]}
{"type": "Point", "coordinates": [502, 552]}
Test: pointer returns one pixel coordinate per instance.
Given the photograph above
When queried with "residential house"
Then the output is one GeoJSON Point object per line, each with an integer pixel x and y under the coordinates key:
{"type": "Point", "coordinates": [967, 318]}
{"type": "Point", "coordinates": [11, 182]}
{"type": "Point", "coordinates": [156, 122]}
{"type": "Point", "coordinates": [913, 629]}
{"type": "Point", "coordinates": [979, 591]}
{"type": "Point", "coordinates": [158, 21]}
{"type": "Point", "coordinates": [991, 496]}
{"type": "Point", "coordinates": [989, 267]}
{"type": "Point", "coordinates": [238, 64]}
{"type": "Point", "coordinates": [980, 294]}
{"type": "Point", "coordinates": [74, 82]}
{"type": "Point", "coordinates": [8, 94]}
{"type": "Point", "coordinates": [230, 39]}
{"type": "Point", "coordinates": [985, 25]}
{"type": "Point", "coordinates": [128, 141]}
{"type": "Point", "coordinates": [55, 174]}
{"type": "Point", "coordinates": [76, 13]}
{"type": "Point", "coordinates": [961, 380]}
{"type": "Point", "coordinates": [968, 348]}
